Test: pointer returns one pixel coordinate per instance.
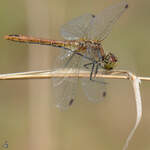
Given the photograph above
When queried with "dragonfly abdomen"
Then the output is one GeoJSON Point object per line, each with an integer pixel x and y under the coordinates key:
{"type": "Point", "coordinates": [31, 40]}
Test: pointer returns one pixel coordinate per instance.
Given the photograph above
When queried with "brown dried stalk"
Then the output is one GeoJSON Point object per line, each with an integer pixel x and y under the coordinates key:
{"type": "Point", "coordinates": [45, 74]}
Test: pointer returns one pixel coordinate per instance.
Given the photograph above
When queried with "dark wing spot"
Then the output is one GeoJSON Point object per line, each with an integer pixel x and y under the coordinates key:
{"type": "Point", "coordinates": [71, 102]}
{"type": "Point", "coordinates": [93, 15]}
{"type": "Point", "coordinates": [127, 6]}
{"type": "Point", "coordinates": [104, 94]}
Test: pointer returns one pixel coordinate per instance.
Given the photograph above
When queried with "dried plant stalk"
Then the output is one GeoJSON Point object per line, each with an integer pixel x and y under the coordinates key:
{"type": "Point", "coordinates": [45, 74]}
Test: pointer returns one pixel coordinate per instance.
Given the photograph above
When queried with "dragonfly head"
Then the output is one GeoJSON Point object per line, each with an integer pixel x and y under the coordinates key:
{"type": "Point", "coordinates": [109, 61]}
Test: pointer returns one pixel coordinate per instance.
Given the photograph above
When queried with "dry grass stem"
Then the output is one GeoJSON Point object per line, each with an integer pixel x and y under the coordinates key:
{"type": "Point", "coordinates": [45, 74]}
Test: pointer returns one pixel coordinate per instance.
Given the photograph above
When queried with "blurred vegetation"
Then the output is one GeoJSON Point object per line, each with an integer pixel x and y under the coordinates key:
{"type": "Point", "coordinates": [86, 125]}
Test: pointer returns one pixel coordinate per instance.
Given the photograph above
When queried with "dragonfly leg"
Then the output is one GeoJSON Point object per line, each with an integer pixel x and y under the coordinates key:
{"type": "Point", "coordinates": [86, 65]}
{"type": "Point", "coordinates": [92, 70]}
{"type": "Point", "coordinates": [83, 56]}
{"type": "Point", "coordinates": [96, 70]}
{"type": "Point", "coordinates": [93, 65]}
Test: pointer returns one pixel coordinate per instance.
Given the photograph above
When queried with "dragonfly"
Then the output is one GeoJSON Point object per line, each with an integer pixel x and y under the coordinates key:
{"type": "Point", "coordinates": [83, 49]}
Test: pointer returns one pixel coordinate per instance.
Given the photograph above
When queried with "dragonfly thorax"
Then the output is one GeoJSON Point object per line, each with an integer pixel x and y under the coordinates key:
{"type": "Point", "coordinates": [94, 50]}
{"type": "Point", "coordinates": [89, 44]}
{"type": "Point", "coordinates": [109, 61]}
{"type": "Point", "coordinates": [91, 48]}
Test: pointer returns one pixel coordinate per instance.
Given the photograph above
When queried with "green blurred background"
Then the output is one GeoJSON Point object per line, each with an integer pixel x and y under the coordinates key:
{"type": "Point", "coordinates": [28, 116]}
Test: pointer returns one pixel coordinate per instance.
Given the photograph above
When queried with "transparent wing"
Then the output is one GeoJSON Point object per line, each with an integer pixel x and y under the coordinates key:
{"type": "Point", "coordinates": [77, 28]}
{"type": "Point", "coordinates": [103, 22]}
{"type": "Point", "coordinates": [65, 88]}
{"type": "Point", "coordinates": [95, 90]}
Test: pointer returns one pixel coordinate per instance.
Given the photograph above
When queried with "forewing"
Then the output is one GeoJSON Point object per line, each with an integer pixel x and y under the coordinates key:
{"type": "Point", "coordinates": [103, 22]}
{"type": "Point", "coordinates": [77, 28]}
{"type": "Point", "coordinates": [65, 88]}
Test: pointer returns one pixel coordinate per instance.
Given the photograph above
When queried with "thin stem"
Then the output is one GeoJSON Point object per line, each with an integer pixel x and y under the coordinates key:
{"type": "Point", "coordinates": [46, 74]}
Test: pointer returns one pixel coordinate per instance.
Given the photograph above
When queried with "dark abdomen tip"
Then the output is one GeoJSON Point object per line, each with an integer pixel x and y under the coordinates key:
{"type": "Point", "coordinates": [8, 37]}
